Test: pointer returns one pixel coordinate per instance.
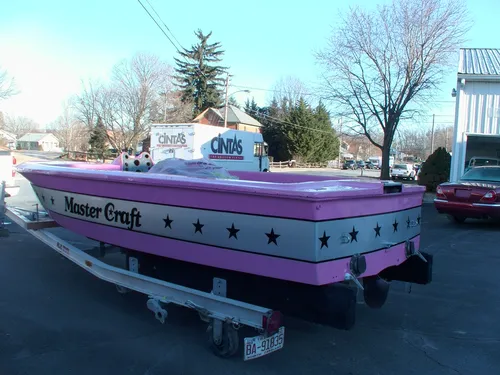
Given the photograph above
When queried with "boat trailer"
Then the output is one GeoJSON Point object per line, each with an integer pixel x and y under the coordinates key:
{"type": "Point", "coordinates": [224, 316]}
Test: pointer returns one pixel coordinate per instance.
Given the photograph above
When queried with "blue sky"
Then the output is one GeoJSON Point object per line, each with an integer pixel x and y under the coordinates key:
{"type": "Point", "coordinates": [50, 46]}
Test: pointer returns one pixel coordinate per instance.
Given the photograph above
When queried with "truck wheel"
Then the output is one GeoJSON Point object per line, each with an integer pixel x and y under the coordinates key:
{"type": "Point", "coordinates": [265, 170]}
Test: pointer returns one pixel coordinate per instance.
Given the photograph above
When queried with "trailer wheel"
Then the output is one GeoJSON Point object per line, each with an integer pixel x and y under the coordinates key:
{"type": "Point", "coordinates": [229, 341]}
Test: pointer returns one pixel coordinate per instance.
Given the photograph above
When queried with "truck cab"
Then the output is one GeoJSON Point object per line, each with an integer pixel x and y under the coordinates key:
{"type": "Point", "coordinates": [261, 150]}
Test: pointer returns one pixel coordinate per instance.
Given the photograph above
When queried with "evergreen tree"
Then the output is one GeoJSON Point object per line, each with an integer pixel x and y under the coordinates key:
{"type": "Point", "coordinates": [301, 131]}
{"type": "Point", "coordinates": [274, 132]}
{"type": "Point", "coordinates": [232, 101]}
{"type": "Point", "coordinates": [251, 107]}
{"type": "Point", "coordinates": [435, 170]}
{"type": "Point", "coordinates": [198, 77]}
{"type": "Point", "coordinates": [327, 140]}
{"type": "Point", "coordinates": [99, 138]}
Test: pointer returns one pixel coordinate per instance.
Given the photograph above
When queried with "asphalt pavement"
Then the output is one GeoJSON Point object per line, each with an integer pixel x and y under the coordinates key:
{"type": "Point", "coordinates": [57, 319]}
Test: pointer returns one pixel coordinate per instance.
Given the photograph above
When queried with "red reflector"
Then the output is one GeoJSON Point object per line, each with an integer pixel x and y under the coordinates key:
{"type": "Point", "coordinates": [273, 322]}
{"type": "Point", "coordinates": [88, 263]}
{"type": "Point", "coordinates": [14, 161]}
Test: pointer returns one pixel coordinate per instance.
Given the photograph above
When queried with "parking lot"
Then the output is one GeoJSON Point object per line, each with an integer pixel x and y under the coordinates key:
{"type": "Point", "coordinates": [57, 319]}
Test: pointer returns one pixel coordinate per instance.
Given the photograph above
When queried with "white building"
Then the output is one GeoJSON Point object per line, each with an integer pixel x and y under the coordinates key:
{"type": "Point", "coordinates": [477, 109]}
{"type": "Point", "coordinates": [39, 141]}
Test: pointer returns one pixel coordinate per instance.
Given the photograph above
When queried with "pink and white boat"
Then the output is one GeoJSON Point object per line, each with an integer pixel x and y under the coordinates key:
{"type": "Point", "coordinates": [310, 230]}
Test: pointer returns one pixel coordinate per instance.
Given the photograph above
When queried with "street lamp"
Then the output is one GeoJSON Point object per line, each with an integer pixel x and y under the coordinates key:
{"type": "Point", "coordinates": [227, 101]}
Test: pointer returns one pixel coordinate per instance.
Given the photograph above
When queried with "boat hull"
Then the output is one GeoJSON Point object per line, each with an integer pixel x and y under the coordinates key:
{"type": "Point", "coordinates": [304, 251]}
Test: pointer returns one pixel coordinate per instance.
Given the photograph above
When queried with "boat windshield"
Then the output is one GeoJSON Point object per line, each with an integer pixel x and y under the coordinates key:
{"type": "Point", "coordinates": [491, 174]}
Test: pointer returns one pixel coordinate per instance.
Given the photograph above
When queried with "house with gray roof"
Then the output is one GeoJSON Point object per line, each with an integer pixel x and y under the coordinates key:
{"type": "Point", "coordinates": [38, 141]}
{"type": "Point", "coordinates": [236, 119]}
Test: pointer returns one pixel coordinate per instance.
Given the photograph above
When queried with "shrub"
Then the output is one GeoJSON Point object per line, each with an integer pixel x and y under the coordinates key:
{"type": "Point", "coordinates": [435, 170]}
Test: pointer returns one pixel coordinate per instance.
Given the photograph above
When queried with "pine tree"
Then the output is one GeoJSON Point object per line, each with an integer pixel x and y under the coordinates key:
{"type": "Point", "coordinates": [232, 101]}
{"type": "Point", "coordinates": [251, 107]}
{"type": "Point", "coordinates": [274, 132]}
{"type": "Point", "coordinates": [198, 79]}
{"type": "Point", "coordinates": [300, 131]}
{"type": "Point", "coordinates": [99, 138]}
{"type": "Point", "coordinates": [327, 141]}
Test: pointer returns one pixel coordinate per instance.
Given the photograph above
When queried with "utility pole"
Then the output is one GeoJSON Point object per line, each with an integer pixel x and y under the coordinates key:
{"type": "Point", "coordinates": [340, 142]}
{"type": "Point", "coordinates": [226, 101]}
{"type": "Point", "coordinates": [165, 108]}
{"type": "Point", "coordinates": [432, 134]}
{"type": "Point", "coordinates": [446, 140]}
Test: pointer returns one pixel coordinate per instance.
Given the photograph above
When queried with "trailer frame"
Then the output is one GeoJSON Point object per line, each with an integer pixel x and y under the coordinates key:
{"type": "Point", "coordinates": [224, 315]}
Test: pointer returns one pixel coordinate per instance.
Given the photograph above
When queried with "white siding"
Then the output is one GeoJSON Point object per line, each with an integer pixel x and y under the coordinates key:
{"type": "Point", "coordinates": [480, 108]}
{"type": "Point", "coordinates": [477, 112]}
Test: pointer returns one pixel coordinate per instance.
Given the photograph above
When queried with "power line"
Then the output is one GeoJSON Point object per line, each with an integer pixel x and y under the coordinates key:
{"type": "Point", "coordinates": [170, 40]}
{"type": "Point", "coordinates": [157, 24]}
{"type": "Point", "coordinates": [180, 45]}
{"type": "Point", "coordinates": [288, 123]}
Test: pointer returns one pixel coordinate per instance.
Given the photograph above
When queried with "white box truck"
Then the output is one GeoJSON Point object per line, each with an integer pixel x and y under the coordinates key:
{"type": "Point", "coordinates": [377, 161]}
{"type": "Point", "coordinates": [232, 149]}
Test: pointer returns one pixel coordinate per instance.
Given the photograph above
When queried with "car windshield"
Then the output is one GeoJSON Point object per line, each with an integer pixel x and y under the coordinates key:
{"type": "Point", "coordinates": [482, 174]}
{"type": "Point", "coordinates": [400, 166]}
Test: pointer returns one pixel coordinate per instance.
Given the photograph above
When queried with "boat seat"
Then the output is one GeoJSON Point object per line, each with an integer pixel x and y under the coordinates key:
{"type": "Point", "coordinates": [139, 163]}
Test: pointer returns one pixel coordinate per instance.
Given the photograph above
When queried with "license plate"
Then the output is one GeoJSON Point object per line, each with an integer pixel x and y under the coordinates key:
{"type": "Point", "coordinates": [260, 346]}
{"type": "Point", "coordinates": [461, 193]}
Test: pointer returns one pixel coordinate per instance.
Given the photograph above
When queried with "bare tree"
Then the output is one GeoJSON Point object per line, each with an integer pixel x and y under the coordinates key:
{"type": "Point", "coordinates": [171, 108]}
{"type": "Point", "coordinates": [137, 84]}
{"type": "Point", "coordinates": [20, 125]}
{"type": "Point", "coordinates": [85, 104]}
{"type": "Point", "coordinates": [288, 90]}
{"type": "Point", "coordinates": [380, 64]}
{"type": "Point", "coordinates": [72, 133]}
{"type": "Point", "coordinates": [128, 103]}
{"type": "Point", "coordinates": [414, 141]}
{"type": "Point", "coordinates": [7, 85]}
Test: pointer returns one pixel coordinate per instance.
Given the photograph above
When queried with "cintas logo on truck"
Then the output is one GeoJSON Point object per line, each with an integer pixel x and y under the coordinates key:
{"type": "Point", "coordinates": [171, 140]}
{"type": "Point", "coordinates": [230, 148]}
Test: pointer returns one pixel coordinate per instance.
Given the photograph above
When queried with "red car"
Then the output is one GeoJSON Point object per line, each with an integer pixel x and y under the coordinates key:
{"type": "Point", "coordinates": [476, 195]}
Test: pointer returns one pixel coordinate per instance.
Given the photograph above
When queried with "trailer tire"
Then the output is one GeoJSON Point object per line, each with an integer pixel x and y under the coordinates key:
{"type": "Point", "coordinates": [229, 344]}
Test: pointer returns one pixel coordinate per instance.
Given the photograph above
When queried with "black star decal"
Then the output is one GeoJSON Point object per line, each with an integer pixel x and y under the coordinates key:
{"type": "Point", "coordinates": [52, 200]}
{"type": "Point", "coordinates": [43, 197]}
{"type": "Point", "coordinates": [408, 223]}
{"type": "Point", "coordinates": [395, 225]}
{"type": "Point", "coordinates": [168, 222]}
{"type": "Point", "coordinates": [233, 231]}
{"type": "Point", "coordinates": [377, 230]}
{"type": "Point", "coordinates": [324, 240]}
{"type": "Point", "coordinates": [418, 219]}
{"type": "Point", "coordinates": [354, 234]}
{"type": "Point", "coordinates": [272, 237]}
{"type": "Point", "coordinates": [198, 226]}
